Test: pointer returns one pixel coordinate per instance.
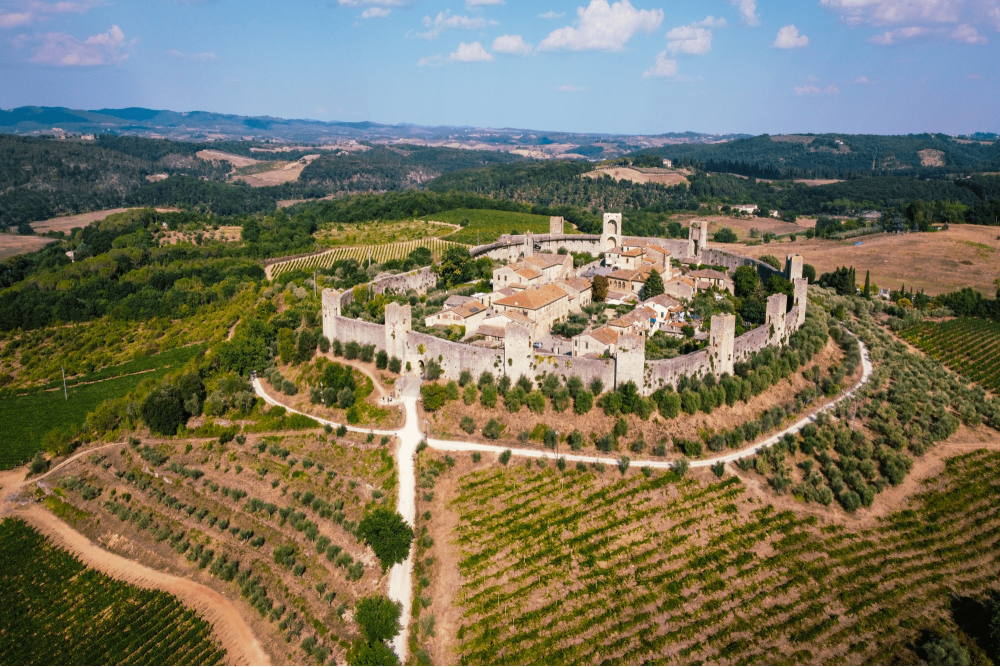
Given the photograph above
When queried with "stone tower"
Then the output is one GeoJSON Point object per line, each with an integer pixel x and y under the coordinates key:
{"type": "Point", "coordinates": [611, 234]}
{"type": "Point", "coordinates": [517, 352]}
{"type": "Point", "coordinates": [801, 299]}
{"type": "Point", "coordinates": [722, 342]}
{"type": "Point", "coordinates": [697, 240]}
{"type": "Point", "coordinates": [556, 225]}
{"type": "Point", "coordinates": [398, 321]}
{"type": "Point", "coordinates": [529, 244]}
{"type": "Point", "coordinates": [331, 311]}
{"type": "Point", "coordinates": [777, 306]}
{"type": "Point", "coordinates": [630, 360]}
{"type": "Point", "coordinates": [793, 267]}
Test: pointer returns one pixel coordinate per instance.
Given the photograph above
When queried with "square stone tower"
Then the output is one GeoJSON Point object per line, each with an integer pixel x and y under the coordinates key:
{"type": "Point", "coordinates": [398, 322]}
{"type": "Point", "coordinates": [722, 341]}
{"type": "Point", "coordinates": [697, 239]}
{"type": "Point", "coordinates": [517, 354]}
{"type": "Point", "coordinates": [793, 267]}
{"type": "Point", "coordinates": [331, 311]}
{"type": "Point", "coordinates": [556, 224]}
{"type": "Point", "coordinates": [630, 360]}
{"type": "Point", "coordinates": [777, 306]}
{"type": "Point", "coordinates": [611, 234]}
{"type": "Point", "coordinates": [529, 244]}
{"type": "Point", "coordinates": [801, 299]}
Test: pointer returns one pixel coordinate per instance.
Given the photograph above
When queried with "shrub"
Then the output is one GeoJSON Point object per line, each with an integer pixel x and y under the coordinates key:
{"type": "Point", "coordinates": [488, 398]}
{"type": "Point", "coordinates": [381, 360]}
{"type": "Point", "coordinates": [345, 398]}
{"type": "Point", "coordinates": [946, 651]}
{"type": "Point", "coordinates": [551, 438]}
{"type": "Point", "coordinates": [505, 457]}
{"type": "Point", "coordinates": [623, 464]}
{"type": "Point", "coordinates": [681, 467]}
{"type": "Point", "coordinates": [352, 350]}
{"type": "Point", "coordinates": [432, 370]}
{"type": "Point", "coordinates": [395, 365]}
{"type": "Point", "coordinates": [583, 403]}
{"type": "Point", "coordinates": [493, 430]}
{"type": "Point", "coordinates": [485, 380]}
{"type": "Point", "coordinates": [719, 469]}
{"type": "Point", "coordinates": [341, 431]}
{"type": "Point", "coordinates": [468, 424]}
{"type": "Point", "coordinates": [464, 378]}
{"type": "Point", "coordinates": [596, 386]}
{"type": "Point", "coordinates": [670, 405]}
{"type": "Point", "coordinates": [434, 396]}
{"type": "Point", "coordinates": [367, 353]}
{"type": "Point", "coordinates": [536, 402]}
{"type": "Point", "coordinates": [514, 399]}
{"type": "Point", "coordinates": [163, 410]}
{"type": "Point", "coordinates": [469, 394]}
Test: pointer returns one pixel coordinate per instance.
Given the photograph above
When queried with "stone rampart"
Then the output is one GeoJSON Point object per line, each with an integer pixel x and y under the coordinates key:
{"type": "Point", "coordinates": [732, 261]}
{"type": "Point", "coordinates": [751, 342]}
{"type": "Point", "coordinates": [420, 280]}
{"type": "Point", "coordinates": [585, 368]}
{"type": "Point", "coordinates": [365, 333]}
{"type": "Point", "coordinates": [665, 372]}
{"type": "Point", "coordinates": [455, 357]}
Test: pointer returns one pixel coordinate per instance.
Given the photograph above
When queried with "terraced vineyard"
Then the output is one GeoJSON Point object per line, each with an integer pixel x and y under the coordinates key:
{"type": "Point", "coordinates": [567, 568]}
{"type": "Point", "coordinates": [378, 253]}
{"type": "Point", "coordinates": [968, 346]}
{"type": "Point", "coordinates": [58, 612]}
{"type": "Point", "coordinates": [486, 226]}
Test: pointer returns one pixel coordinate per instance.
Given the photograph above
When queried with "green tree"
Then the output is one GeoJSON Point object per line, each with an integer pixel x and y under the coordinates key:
{"type": "Point", "coordinates": [809, 272]}
{"type": "Point", "coordinates": [653, 286]}
{"type": "Point", "coordinates": [725, 235]}
{"type": "Point", "coordinates": [286, 345]}
{"type": "Point", "coordinates": [371, 653]}
{"type": "Point", "coordinates": [584, 402]}
{"type": "Point", "coordinates": [163, 410]}
{"type": "Point", "coordinates": [746, 282]}
{"type": "Point", "coordinates": [600, 288]}
{"type": "Point", "coordinates": [946, 651]}
{"type": "Point", "coordinates": [868, 282]}
{"type": "Point", "coordinates": [388, 534]}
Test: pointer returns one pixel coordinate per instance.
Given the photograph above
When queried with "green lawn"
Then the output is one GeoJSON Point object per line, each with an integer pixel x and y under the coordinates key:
{"type": "Point", "coordinates": [24, 420]}
{"type": "Point", "coordinates": [486, 226]}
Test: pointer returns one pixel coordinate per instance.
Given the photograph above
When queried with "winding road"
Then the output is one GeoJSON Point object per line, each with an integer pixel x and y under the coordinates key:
{"type": "Point", "coordinates": [400, 577]}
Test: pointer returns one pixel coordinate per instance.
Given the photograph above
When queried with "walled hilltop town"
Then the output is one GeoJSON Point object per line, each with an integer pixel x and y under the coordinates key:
{"type": "Point", "coordinates": [537, 287]}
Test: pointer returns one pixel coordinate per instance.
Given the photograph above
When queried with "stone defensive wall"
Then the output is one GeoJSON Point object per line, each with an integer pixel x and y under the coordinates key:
{"type": "Point", "coordinates": [517, 357]}
{"type": "Point", "coordinates": [420, 280]}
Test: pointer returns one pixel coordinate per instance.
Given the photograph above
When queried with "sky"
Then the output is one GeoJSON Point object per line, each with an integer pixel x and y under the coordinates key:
{"type": "Point", "coordinates": [624, 67]}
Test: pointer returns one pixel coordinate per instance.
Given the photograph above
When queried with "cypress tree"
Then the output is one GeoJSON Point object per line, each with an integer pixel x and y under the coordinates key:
{"type": "Point", "coordinates": [653, 286]}
{"type": "Point", "coordinates": [868, 282]}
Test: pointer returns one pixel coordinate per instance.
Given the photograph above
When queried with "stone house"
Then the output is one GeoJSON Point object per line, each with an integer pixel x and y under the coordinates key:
{"type": "Point", "coordinates": [580, 291]}
{"type": "Point", "coordinates": [622, 259]}
{"type": "Point", "coordinates": [709, 278]}
{"type": "Point", "coordinates": [681, 288]}
{"type": "Point", "coordinates": [595, 343]}
{"type": "Point", "coordinates": [642, 322]}
{"type": "Point", "coordinates": [542, 306]}
{"type": "Point", "coordinates": [469, 315]}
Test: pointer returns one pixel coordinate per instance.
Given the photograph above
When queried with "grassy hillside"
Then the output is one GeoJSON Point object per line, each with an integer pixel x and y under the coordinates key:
{"type": "Point", "coordinates": [484, 226]}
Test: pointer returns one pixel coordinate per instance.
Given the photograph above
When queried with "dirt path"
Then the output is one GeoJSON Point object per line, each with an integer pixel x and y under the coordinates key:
{"type": "Point", "coordinates": [232, 631]}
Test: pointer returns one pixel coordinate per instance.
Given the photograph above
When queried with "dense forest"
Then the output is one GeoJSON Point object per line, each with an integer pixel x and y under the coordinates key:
{"type": "Point", "coordinates": [559, 183]}
{"type": "Point", "coordinates": [41, 178]}
{"type": "Point", "coordinates": [838, 156]}
{"type": "Point", "coordinates": [397, 167]}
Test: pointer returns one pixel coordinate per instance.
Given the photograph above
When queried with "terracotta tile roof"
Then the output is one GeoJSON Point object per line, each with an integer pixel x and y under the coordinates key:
{"type": "Point", "coordinates": [545, 260]}
{"type": "Point", "coordinates": [492, 330]}
{"type": "Point", "coordinates": [642, 314]}
{"type": "Point", "coordinates": [528, 273]}
{"type": "Point", "coordinates": [625, 274]}
{"type": "Point", "coordinates": [457, 300]}
{"type": "Point", "coordinates": [663, 300]}
{"type": "Point", "coordinates": [507, 291]}
{"type": "Point", "coordinates": [534, 298]}
{"type": "Point", "coordinates": [615, 295]}
{"type": "Point", "coordinates": [604, 335]}
{"type": "Point", "coordinates": [467, 310]}
{"type": "Point", "coordinates": [711, 274]}
{"type": "Point", "coordinates": [578, 284]}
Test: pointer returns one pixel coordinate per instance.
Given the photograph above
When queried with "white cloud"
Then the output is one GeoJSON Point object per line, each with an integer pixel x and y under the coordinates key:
{"type": "Point", "coordinates": [710, 22]}
{"type": "Point", "coordinates": [446, 21]}
{"type": "Point", "coordinates": [572, 89]}
{"type": "Point", "coordinates": [967, 34]}
{"type": "Point", "coordinates": [552, 15]}
{"type": "Point", "coordinates": [663, 67]}
{"type": "Point", "coordinates": [34, 11]}
{"type": "Point", "coordinates": [748, 11]}
{"type": "Point", "coordinates": [64, 50]}
{"type": "Point", "coordinates": [789, 38]}
{"type": "Point", "coordinates": [886, 12]}
{"type": "Point", "coordinates": [603, 27]}
{"type": "Point", "coordinates": [206, 57]}
{"type": "Point", "coordinates": [891, 37]}
{"type": "Point", "coordinates": [470, 53]}
{"type": "Point", "coordinates": [376, 13]}
{"type": "Point", "coordinates": [431, 61]}
{"type": "Point", "coordinates": [511, 44]}
{"type": "Point", "coordinates": [863, 80]}
{"type": "Point", "coordinates": [816, 90]}
{"type": "Point", "coordinates": [483, 3]}
{"type": "Point", "coordinates": [689, 39]}
{"type": "Point", "coordinates": [14, 20]}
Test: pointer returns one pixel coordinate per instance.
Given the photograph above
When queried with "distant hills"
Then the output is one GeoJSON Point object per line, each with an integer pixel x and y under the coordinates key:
{"type": "Point", "coordinates": [208, 126]}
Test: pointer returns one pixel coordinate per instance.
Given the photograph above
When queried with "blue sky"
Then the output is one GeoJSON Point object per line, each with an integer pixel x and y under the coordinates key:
{"type": "Point", "coordinates": [630, 66]}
